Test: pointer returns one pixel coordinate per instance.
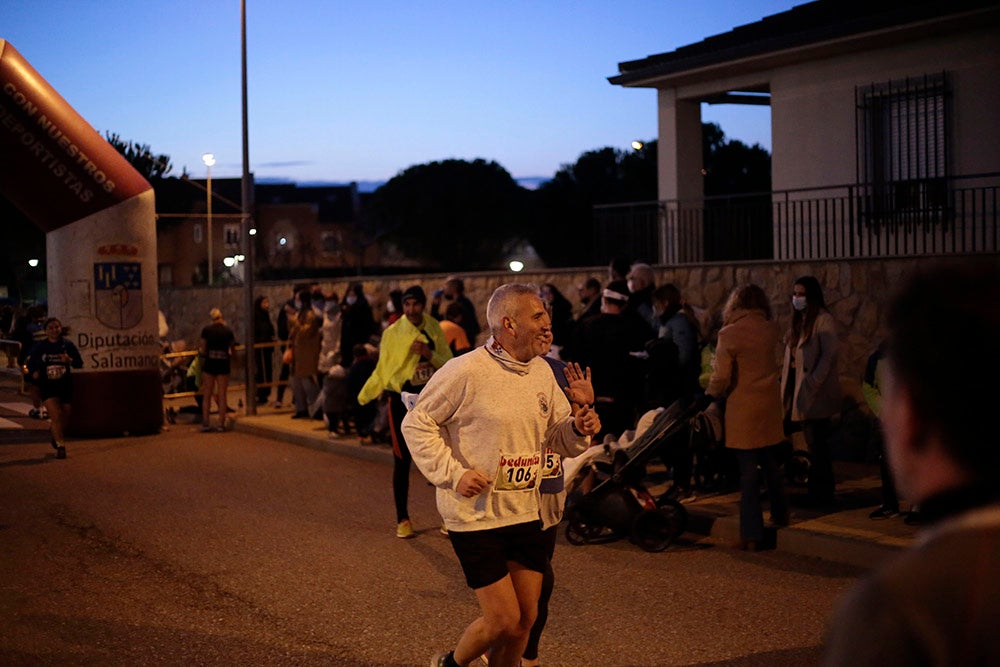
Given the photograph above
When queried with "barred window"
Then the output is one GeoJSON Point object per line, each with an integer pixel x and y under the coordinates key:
{"type": "Point", "coordinates": [231, 233]}
{"type": "Point", "coordinates": [331, 242]}
{"type": "Point", "coordinates": [903, 147]}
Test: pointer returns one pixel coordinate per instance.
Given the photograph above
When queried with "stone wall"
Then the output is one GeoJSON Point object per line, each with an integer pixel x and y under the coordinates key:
{"type": "Point", "coordinates": [855, 292]}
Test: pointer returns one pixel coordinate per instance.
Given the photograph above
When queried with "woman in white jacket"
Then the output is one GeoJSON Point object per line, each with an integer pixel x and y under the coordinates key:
{"type": "Point", "coordinates": [810, 382]}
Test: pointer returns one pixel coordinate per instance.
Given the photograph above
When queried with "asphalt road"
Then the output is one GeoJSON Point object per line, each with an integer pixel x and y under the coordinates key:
{"type": "Point", "coordinates": [223, 549]}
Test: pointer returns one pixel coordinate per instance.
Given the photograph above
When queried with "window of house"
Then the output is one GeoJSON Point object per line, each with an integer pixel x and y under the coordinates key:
{"type": "Point", "coordinates": [903, 148]}
{"type": "Point", "coordinates": [166, 274]}
{"type": "Point", "coordinates": [231, 233]}
{"type": "Point", "coordinates": [330, 242]}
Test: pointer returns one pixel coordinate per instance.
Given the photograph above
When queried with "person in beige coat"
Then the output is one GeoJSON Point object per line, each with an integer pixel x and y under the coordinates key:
{"type": "Point", "coordinates": [746, 373]}
{"type": "Point", "coordinates": [304, 339]}
{"type": "Point", "coordinates": [810, 382]}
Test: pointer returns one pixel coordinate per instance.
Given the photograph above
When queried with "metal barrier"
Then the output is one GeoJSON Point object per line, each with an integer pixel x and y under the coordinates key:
{"type": "Point", "coordinates": [10, 354]}
{"type": "Point", "coordinates": [172, 365]}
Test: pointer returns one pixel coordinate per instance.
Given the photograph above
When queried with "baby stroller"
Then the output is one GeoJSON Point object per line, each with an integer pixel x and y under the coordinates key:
{"type": "Point", "coordinates": [620, 505]}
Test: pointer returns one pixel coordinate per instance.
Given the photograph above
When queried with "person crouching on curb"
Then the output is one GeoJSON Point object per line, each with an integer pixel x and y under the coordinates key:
{"type": "Point", "coordinates": [49, 365]}
{"type": "Point", "coordinates": [478, 432]}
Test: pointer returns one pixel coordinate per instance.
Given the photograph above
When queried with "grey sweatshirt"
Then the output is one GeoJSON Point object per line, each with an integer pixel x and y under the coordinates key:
{"type": "Point", "coordinates": [486, 411]}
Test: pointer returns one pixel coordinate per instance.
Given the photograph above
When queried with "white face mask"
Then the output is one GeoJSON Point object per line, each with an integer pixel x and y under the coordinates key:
{"type": "Point", "coordinates": [351, 300]}
{"type": "Point", "coordinates": [799, 302]}
{"type": "Point", "coordinates": [390, 307]}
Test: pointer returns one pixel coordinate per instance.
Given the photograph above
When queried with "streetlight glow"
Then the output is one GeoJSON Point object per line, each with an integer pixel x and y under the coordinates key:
{"type": "Point", "coordinates": [32, 262]}
{"type": "Point", "coordinates": [208, 159]}
{"type": "Point", "coordinates": [516, 265]}
{"type": "Point", "coordinates": [637, 145]}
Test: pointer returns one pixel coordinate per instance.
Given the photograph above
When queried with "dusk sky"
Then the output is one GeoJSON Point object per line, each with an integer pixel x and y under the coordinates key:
{"type": "Point", "coordinates": [344, 92]}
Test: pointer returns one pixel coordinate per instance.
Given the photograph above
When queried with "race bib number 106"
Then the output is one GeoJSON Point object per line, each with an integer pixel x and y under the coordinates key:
{"type": "Point", "coordinates": [517, 473]}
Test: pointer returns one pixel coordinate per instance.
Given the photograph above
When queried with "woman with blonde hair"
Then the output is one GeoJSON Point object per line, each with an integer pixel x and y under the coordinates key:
{"type": "Point", "coordinates": [746, 373]}
{"type": "Point", "coordinates": [217, 346]}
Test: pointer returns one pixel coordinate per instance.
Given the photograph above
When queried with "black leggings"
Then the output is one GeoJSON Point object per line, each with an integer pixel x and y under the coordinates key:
{"type": "Point", "coordinates": [548, 582]}
{"type": "Point", "coordinates": [401, 459]}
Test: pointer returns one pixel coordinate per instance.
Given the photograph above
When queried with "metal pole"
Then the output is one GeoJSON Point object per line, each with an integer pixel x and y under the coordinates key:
{"type": "Point", "coordinates": [209, 212]}
{"type": "Point", "coordinates": [248, 240]}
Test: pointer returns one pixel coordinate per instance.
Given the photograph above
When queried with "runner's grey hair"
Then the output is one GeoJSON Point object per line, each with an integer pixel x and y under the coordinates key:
{"type": "Point", "coordinates": [503, 303]}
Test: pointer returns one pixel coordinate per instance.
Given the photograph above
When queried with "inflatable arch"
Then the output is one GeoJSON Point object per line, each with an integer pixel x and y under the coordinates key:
{"type": "Point", "coordinates": [100, 222]}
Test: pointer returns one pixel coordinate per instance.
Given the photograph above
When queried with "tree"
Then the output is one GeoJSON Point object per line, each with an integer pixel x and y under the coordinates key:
{"type": "Point", "coordinates": [141, 157]}
{"type": "Point", "coordinates": [452, 214]}
{"type": "Point", "coordinates": [732, 167]}
{"type": "Point", "coordinates": [564, 206]}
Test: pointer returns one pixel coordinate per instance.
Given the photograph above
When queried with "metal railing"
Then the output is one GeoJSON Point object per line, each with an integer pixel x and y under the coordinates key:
{"type": "Point", "coordinates": [10, 367]}
{"type": "Point", "coordinates": [174, 367]}
{"type": "Point", "coordinates": [908, 218]}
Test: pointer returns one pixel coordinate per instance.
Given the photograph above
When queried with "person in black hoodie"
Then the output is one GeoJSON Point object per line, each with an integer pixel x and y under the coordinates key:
{"type": "Point", "coordinates": [49, 364]}
{"type": "Point", "coordinates": [358, 321]}
{"type": "Point", "coordinates": [263, 332]}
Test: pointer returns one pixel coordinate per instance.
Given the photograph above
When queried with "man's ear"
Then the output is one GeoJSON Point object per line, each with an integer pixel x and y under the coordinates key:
{"type": "Point", "coordinates": [509, 324]}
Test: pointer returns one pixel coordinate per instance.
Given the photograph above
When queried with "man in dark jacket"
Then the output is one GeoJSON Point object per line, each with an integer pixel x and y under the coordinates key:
{"type": "Point", "coordinates": [939, 602]}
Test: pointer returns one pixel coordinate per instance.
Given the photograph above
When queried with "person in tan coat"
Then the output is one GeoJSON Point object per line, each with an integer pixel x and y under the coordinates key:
{"type": "Point", "coordinates": [810, 383]}
{"type": "Point", "coordinates": [746, 372]}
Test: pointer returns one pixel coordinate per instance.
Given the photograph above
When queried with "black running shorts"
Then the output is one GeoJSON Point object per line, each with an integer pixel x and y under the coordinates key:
{"type": "Point", "coordinates": [484, 554]}
{"type": "Point", "coordinates": [61, 389]}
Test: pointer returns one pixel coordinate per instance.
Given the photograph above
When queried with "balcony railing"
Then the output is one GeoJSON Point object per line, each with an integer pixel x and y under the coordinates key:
{"type": "Point", "coordinates": [930, 216]}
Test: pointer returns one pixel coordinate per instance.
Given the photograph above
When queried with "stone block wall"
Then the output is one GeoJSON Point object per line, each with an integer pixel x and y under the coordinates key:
{"type": "Point", "coordinates": [856, 292]}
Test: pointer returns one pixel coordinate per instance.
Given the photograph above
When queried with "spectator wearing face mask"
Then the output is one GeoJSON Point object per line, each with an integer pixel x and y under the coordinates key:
{"type": "Point", "coordinates": [357, 321]}
{"type": "Point", "coordinates": [393, 308]}
{"type": "Point", "coordinates": [810, 382]}
{"type": "Point", "coordinates": [641, 282]}
{"type": "Point", "coordinates": [590, 296]}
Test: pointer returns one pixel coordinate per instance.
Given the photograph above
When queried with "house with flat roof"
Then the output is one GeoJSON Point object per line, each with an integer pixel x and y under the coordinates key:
{"type": "Point", "coordinates": [885, 134]}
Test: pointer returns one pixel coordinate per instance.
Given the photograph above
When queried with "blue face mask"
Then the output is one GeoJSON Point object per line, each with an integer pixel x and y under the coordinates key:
{"type": "Point", "coordinates": [799, 302]}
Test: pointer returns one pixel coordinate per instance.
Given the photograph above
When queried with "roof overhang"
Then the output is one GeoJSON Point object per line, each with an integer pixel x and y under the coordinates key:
{"type": "Point", "coordinates": [727, 56]}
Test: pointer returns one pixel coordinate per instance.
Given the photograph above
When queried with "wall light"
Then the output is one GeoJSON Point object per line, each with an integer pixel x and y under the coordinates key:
{"type": "Point", "coordinates": [516, 265]}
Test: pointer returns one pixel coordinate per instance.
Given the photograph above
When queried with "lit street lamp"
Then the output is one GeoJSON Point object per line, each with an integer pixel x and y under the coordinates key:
{"type": "Point", "coordinates": [209, 160]}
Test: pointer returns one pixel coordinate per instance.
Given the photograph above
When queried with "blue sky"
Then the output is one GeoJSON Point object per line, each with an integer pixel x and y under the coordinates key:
{"type": "Point", "coordinates": [360, 91]}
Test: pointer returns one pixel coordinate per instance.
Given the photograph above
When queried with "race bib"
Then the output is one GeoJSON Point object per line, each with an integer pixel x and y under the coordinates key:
{"type": "Point", "coordinates": [55, 372]}
{"type": "Point", "coordinates": [552, 465]}
{"type": "Point", "coordinates": [517, 473]}
{"type": "Point", "coordinates": [422, 374]}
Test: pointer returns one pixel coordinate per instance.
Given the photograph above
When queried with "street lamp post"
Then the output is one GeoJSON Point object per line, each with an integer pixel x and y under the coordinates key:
{"type": "Point", "coordinates": [209, 160]}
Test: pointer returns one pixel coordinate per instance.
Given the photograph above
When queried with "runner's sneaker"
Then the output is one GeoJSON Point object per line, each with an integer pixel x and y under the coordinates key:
{"type": "Point", "coordinates": [404, 529]}
{"type": "Point", "coordinates": [35, 413]}
{"type": "Point", "coordinates": [443, 660]}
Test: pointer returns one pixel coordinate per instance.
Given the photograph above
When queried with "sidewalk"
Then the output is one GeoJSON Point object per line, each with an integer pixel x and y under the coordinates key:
{"type": "Point", "coordinates": [845, 535]}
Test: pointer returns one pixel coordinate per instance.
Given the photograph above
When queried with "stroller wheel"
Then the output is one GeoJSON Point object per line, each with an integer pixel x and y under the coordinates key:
{"type": "Point", "coordinates": [797, 468]}
{"type": "Point", "coordinates": [654, 530]}
{"type": "Point", "coordinates": [675, 511]}
{"type": "Point", "coordinates": [578, 530]}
